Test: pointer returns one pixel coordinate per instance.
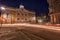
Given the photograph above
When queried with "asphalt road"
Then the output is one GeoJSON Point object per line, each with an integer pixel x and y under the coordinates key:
{"type": "Point", "coordinates": [28, 33]}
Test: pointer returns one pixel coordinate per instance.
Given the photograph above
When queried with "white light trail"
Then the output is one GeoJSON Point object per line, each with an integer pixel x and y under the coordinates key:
{"type": "Point", "coordinates": [32, 25]}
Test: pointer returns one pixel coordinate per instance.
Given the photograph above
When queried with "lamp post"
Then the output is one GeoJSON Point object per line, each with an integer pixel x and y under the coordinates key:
{"type": "Point", "coordinates": [1, 9]}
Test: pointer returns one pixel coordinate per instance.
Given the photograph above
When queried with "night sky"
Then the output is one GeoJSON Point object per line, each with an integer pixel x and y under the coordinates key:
{"type": "Point", "coordinates": [39, 6]}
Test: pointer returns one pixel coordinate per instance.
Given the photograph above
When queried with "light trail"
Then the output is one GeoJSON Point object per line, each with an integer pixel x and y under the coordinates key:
{"type": "Point", "coordinates": [31, 25]}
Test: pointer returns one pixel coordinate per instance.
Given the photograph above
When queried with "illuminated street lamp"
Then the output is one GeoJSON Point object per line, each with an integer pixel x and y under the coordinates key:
{"type": "Point", "coordinates": [2, 8]}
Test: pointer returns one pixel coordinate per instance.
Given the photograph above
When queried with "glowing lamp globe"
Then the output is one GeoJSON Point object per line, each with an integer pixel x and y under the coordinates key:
{"type": "Point", "coordinates": [2, 8]}
{"type": "Point", "coordinates": [21, 6]}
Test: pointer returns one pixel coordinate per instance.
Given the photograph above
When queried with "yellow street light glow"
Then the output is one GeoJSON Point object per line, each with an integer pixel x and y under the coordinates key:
{"type": "Point", "coordinates": [40, 20]}
{"type": "Point", "coordinates": [2, 8]}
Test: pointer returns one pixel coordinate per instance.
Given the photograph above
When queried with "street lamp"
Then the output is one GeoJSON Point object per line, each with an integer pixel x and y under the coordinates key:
{"type": "Point", "coordinates": [2, 9]}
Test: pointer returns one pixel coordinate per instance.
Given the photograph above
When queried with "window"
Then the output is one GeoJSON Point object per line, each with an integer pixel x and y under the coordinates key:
{"type": "Point", "coordinates": [22, 14]}
{"type": "Point", "coordinates": [25, 19]}
{"type": "Point", "coordinates": [25, 14]}
{"type": "Point", "coordinates": [18, 14]}
{"type": "Point", "coordinates": [18, 18]}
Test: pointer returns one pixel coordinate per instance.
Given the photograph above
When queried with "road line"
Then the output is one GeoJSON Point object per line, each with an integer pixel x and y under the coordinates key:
{"type": "Point", "coordinates": [25, 35]}
{"type": "Point", "coordinates": [33, 35]}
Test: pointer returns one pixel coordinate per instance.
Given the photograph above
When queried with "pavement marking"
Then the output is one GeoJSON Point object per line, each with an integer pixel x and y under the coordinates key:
{"type": "Point", "coordinates": [33, 35]}
{"type": "Point", "coordinates": [25, 35]}
{"type": "Point", "coordinates": [11, 37]}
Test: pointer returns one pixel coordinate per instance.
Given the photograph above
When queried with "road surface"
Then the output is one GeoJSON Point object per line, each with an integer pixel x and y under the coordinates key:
{"type": "Point", "coordinates": [29, 33]}
{"type": "Point", "coordinates": [15, 34]}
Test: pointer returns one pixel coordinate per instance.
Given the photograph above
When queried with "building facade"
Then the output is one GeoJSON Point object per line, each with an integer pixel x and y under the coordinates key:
{"type": "Point", "coordinates": [17, 15]}
{"type": "Point", "coordinates": [54, 8]}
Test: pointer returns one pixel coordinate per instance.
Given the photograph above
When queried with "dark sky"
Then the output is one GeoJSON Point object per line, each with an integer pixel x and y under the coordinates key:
{"type": "Point", "coordinates": [40, 6]}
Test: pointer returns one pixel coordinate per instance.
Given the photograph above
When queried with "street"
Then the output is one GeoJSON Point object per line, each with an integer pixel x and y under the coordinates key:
{"type": "Point", "coordinates": [29, 19]}
{"type": "Point", "coordinates": [29, 33]}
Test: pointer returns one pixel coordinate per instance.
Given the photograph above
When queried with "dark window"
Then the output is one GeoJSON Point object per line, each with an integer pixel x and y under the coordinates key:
{"type": "Point", "coordinates": [25, 19]}
{"type": "Point", "coordinates": [18, 18]}
{"type": "Point", "coordinates": [22, 14]}
{"type": "Point", "coordinates": [7, 13]}
{"type": "Point", "coordinates": [25, 14]}
{"type": "Point", "coordinates": [18, 14]}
